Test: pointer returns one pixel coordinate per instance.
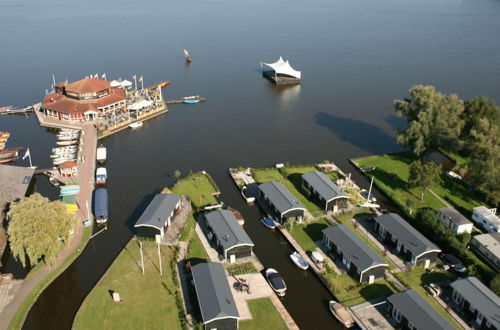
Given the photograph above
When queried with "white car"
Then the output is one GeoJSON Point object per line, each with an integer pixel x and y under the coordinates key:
{"type": "Point", "coordinates": [454, 175]}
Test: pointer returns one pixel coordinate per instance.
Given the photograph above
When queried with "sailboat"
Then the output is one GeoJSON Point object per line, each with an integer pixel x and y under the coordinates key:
{"type": "Point", "coordinates": [186, 54]}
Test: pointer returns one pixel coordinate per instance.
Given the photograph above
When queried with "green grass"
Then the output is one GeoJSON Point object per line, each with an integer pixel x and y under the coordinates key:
{"type": "Point", "coordinates": [196, 252]}
{"type": "Point", "coordinates": [148, 300]}
{"type": "Point", "coordinates": [306, 234]}
{"type": "Point", "coordinates": [264, 315]}
{"type": "Point", "coordinates": [188, 229]}
{"type": "Point", "coordinates": [349, 292]}
{"type": "Point", "coordinates": [418, 277]}
{"type": "Point", "coordinates": [199, 187]}
{"type": "Point", "coordinates": [30, 299]}
{"type": "Point", "coordinates": [453, 191]}
{"type": "Point", "coordinates": [239, 269]}
{"type": "Point", "coordinates": [292, 183]}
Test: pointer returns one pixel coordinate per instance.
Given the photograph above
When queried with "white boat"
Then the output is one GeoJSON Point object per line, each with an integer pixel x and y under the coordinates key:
{"type": "Point", "coordinates": [317, 257]}
{"type": "Point", "coordinates": [276, 281]}
{"type": "Point", "coordinates": [246, 195]}
{"type": "Point", "coordinates": [341, 313]}
{"type": "Point", "coordinates": [66, 142]}
{"type": "Point", "coordinates": [68, 137]}
{"type": "Point", "coordinates": [101, 154]}
{"type": "Point", "coordinates": [299, 261]}
{"type": "Point", "coordinates": [53, 181]}
{"type": "Point", "coordinates": [101, 175]}
{"type": "Point", "coordinates": [137, 124]}
{"type": "Point", "coordinates": [370, 198]}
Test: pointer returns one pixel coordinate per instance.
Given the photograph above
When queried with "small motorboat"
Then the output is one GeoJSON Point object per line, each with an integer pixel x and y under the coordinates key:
{"type": "Point", "coordinates": [269, 223]}
{"type": "Point", "coordinates": [101, 175]}
{"type": "Point", "coordinates": [299, 261]}
{"type": "Point", "coordinates": [317, 257]}
{"type": "Point", "coordinates": [188, 57]}
{"type": "Point", "coordinates": [101, 154]}
{"type": "Point", "coordinates": [276, 281]}
{"type": "Point", "coordinates": [341, 313]}
{"type": "Point", "coordinates": [53, 181]}
{"type": "Point", "coordinates": [66, 142]}
{"type": "Point", "coordinates": [137, 124]}
{"type": "Point", "coordinates": [191, 99]}
{"type": "Point", "coordinates": [246, 195]}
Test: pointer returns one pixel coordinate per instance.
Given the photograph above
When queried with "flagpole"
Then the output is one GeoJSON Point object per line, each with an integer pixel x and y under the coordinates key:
{"type": "Point", "coordinates": [29, 156]}
{"type": "Point", "coordinates": [135, 81]}
{"type": "Point", "coordinates": [142, 83]}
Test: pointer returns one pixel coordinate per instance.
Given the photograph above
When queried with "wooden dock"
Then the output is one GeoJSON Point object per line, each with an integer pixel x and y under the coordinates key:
{"type": "Point", "coordinates": [17, 111]}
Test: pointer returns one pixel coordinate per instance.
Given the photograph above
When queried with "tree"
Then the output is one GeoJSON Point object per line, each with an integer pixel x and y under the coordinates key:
{"type": "Point", "coordinates": [495, 284]}
{"type": "Point", "coordinates": [410, 204]}
{"type": "Point", "coordinates": [177, 174]}
{"type": "Point", "coordinates": [424, 174]}
{"type": "Point", "coordinates": [38, 229]}
{"type": "Point", "coordinates": [476, 109]}
{"type": "Point", "coordinates": [433, 119]}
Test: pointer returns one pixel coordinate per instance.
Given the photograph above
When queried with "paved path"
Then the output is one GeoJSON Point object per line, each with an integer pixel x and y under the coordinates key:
{"type": "Point", "coordinates": [439, 198]}
{"type": "Point", "coordinates": [259, 288]}
{"type": "Point", "coordinates": [86, 181]}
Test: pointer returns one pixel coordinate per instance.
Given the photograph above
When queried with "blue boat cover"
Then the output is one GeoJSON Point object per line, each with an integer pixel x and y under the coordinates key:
{"type": "Point", "coordinates": [101, 203]}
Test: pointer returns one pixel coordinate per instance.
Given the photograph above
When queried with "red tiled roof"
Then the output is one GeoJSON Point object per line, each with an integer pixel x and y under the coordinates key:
{"type": "Point", "coordinates": [87, 85]}
{"type": "Point", "coordinates": [61, 103]}
{"type": "Point", "coordinates": [67, 165]}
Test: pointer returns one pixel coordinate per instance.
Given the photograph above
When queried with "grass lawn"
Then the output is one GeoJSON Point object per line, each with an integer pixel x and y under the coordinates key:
{"type": "Point", "coordinates": [306, 234]}
{"type": "Point", "coordinates": [453, 191]}
{"type": "Point", "coordinates": [264, 315]}
{"type": "Point", "coordinates": [419, 277]}
{"type": "Point", "coordinates": [148, 300]}
{"type": "Point", "coordinates": [292, 183]}
{"type": "Point", "coordinates": [196, 252]}
{"type": "Point", "coordinates": [198, 187]}
{"type": "Point", "coordinates": [188, 228]}
{"type": "Point", "coordinates": [349, 292]}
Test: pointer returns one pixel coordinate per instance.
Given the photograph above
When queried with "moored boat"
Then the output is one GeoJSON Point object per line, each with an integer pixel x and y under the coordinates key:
{"type": "Point", "coordinates": [269, 223]}
{"type": "Point", "coordinates": [186, 54]}
{"type": "Point", "coordinates": [101, 175]}
{"type": "Point", "coordinates": [53, 181]}
{"type": "Point", "coordinates": [136, 124]}
{"type": "Point", "coordinates": [299, 261]}
{"type": "Point", "coordinates": [191, 99]}
{"type": "Point", "coordinates": [246, 195]}
{"type": "Point", "coordinates": [276, 281]}
{"type": "Point", "coordinates": [101, 154]}
{"type": "Point", "coordinates": [341, 313]}
{"type": "Point", "coordinates": [66, 142]}
{"type": "Point", "coordinates": [101, 205]}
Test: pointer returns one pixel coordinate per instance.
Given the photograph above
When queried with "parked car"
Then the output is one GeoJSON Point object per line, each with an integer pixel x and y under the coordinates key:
{"type": "Point", "coordinates": [367, 168]}
{"type": "Point", "coordinates": [454, 263]}
{"type": "Point", "coordinates": [453, 175]}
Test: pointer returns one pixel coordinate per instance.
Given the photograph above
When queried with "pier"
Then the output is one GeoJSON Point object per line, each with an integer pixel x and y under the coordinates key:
{"type": "Point", "coordinates": [181, 100]}
{"type": "Point", "coordinates": [18, 111]}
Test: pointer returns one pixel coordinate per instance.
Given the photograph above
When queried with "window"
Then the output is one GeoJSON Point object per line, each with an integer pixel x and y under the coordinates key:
{"type": "Point", "coordinates": [410, 325]}
{"type": "Point", "coordinates": [488, 324]}
{"type": "Point", "coordinates": [396, 314]}
{"type": "Point", "coordinates": [471, 308]}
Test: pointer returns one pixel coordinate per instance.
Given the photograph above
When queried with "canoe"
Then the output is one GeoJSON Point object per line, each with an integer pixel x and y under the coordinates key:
{"type": "Point", "coordinates": [299, 261]}
{"type": "Point", "coordinates": [276, 281]}
{"type": "Point", "coordinates": [341, 314]}
{"type": "Point", "coordinates": [269, 223]}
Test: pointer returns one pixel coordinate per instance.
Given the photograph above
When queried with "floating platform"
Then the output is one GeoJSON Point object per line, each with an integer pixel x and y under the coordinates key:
{"type": "Point", "coordinates": [181, 100]}
{"type": "Point", "coordinates": [280, 79]}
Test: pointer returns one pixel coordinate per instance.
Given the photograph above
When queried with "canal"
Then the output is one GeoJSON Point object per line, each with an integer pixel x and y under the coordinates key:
{"type": "Point", "coordinates": [355, 57]}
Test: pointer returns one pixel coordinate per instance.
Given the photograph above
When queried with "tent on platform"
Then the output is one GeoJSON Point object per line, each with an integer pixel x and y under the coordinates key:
{"type": "Point", "coordinates": [282, 67]}
{"type": "Point", "coordinates": [115, 83]}
{"type": "Point", "coordinates": [126, 83]}
{"type": "Point", "coordinates": [139, 105]}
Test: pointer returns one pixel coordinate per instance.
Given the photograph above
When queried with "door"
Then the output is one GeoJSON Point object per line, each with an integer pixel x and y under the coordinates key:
{"type": "Point", "coordinates": [479, 318]}
{"type": "Point", "coordinates": [427, 263]}
{"type": "Point", "coordinates": [232, 258]}
{"type": "Point", "coordinates": [398, 248]}
{"type": "Point", "coordinates": [371, 279]}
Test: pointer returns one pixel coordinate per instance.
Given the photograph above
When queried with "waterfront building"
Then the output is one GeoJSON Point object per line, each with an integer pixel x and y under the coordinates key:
{"type": "Point", "coordinates": [83, 100]}
{"type": "Point", "coordinates": [454, 220]}
{"type": "Point", "coordinates": [160, 212]}
{"type": "Point", "coordinates": [275, 195]}
{"type": "Point", "coordinates": [411, 311]}
{"type": "Point", "coordinates": [361, 262]}
{"type": "Point", "coordinates": [68, 169]}
{"type": "Point", "coordinates": [488, 245]}
{"type": "Point", "coordinates": [407, 241]}
{"type": "Point", "coordinates": [476, 302]}
{"type": "Point", "coordinates": [217, 305]}
{"type": "Point", "coordinates": [324, 191]}
{"type": "Point", "coordinates": [486, 218]}
{"type": "Point", "coordinates": [232, 240]}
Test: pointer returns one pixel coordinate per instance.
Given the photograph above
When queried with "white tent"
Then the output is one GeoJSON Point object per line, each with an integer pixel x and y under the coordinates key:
{"type": "Point", "coordinates": [126, 83]}
{"type": "Point", "coordinates": [115, 83]}
{"type": "Point", "coordinates": [139, 105]}
{"type": "Point", "coordinates": [283, 67]}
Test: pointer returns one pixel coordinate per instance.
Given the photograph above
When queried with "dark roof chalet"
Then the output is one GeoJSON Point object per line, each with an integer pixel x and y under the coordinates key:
{"type": "Point", "coordinates": [454, 216]}
{"type": "Point", "coordinates": [226, 228]}
{"type": "Point", "coordinates": [212, 289]}
{"type": "Point", "coordinates": [325, 187]}
{"type": "Point", "coordinates": [412, 239]}
{"type": "Point", "coordinates": [353, 247]}
{"type": "Point", "coordinates": [418, 311]}
{"type": "Point", "coordinates": [280, 197]}
{"type": "Point", "coordinates": [158, 211]}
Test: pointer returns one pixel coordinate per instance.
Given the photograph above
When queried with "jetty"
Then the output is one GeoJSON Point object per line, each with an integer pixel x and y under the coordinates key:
{"type": "Point", "coordinates": [17, 111]}
{"type": "Point", "coordinates": [181, 100]}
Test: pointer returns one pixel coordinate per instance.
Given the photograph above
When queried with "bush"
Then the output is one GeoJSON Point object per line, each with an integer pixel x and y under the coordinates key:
{"type": "Point", "coordinates": [240, 269]}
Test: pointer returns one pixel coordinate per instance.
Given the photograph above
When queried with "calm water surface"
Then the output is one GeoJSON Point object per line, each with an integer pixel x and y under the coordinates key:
{"type": "Point", "coordinates": [356, 57]}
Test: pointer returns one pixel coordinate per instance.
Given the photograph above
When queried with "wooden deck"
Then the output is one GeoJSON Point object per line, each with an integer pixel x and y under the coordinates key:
{"type": "Point", "coordinates": [280, 80]}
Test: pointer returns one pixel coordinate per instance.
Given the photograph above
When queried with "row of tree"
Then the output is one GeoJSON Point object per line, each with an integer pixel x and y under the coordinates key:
{"type": "Point", "coordinates": [471, 128]}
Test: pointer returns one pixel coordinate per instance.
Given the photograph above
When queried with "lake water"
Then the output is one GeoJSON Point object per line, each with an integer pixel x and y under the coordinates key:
{"type": "Point", "coordinates": [355, 57]}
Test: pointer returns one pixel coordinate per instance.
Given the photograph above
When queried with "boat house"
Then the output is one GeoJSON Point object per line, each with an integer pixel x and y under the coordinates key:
{"type": "Point", "coordinates": [232, 240]}
{"type": "Point", "coordinates": [406, 240]}
{"type": "Point", "coordinates": [217, 305]}
{"type": "Point", "coordinates": [275, 195]}
{"type": "Point", "coordinates": [486, 218]}
{"type": "Point", "coordinates": [454, 220]}
{"type": "Point", "coordinates": [83, 100]}
{"type": "Point", "coordinates": [411, 311]}
{"type": "Point", "coordinates": [324, 191]}
{"type": "Point", "coordinates": [488, 245]}
{"type": "Point", "coordinates": [476, 302]}
{"type": "Point", "coordinates": [281, 72]}
{"type": "Point", "coordinates": [68, 169]}
{"type": "Point", "coordinates": [160, 212]}
{"type": "Point", "coordinates": [361, 262]}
